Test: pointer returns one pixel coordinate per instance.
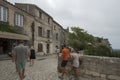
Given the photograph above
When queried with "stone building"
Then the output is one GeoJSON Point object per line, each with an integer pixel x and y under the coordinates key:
{"type": "Point", "coordinates": [59, 35]}
{"type": "Point", "coordinates": [13, 18]}
{"type": "Point", "coordinates": [31, 24]}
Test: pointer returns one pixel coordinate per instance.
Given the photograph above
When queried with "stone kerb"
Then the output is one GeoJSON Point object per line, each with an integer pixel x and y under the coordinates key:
{"type": "Point", "coordinates": [96, 68]}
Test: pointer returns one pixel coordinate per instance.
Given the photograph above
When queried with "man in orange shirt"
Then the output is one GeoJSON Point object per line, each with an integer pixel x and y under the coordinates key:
{"type": "Point", "coordinates": [65, 56]}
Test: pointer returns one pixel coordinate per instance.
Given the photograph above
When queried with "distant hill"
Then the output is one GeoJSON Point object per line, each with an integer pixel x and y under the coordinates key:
{"type": "Point", "coordinates": [116, 50]}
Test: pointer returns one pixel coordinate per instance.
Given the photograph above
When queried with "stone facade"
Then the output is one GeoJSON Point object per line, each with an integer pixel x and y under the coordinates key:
{"type": "Point", "coordinates": [46, 22]}
{"type": "Point", "coordinates": [59, 35]}
{"type": "Point", "coordinates": [12, 10]}
{"type": "Point", "coordinates": [24, 30]}
{"type": "Point", "coordinates": [38, 26]}
{"type": "Point", "coordinates": [97, 68]}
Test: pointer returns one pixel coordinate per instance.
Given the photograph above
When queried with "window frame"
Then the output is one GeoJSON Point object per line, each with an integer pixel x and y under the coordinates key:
{"type": "Point", "coordinates": [49, 20]}
{"type": "Point", "coordinates": [56, 36]}
{"type": "Point", "coordinates": [40, 47]}
{"type": "Point", "coordinates": [48, 33]}
{"type": "Point", "coordinates": [20, 19]}
{"type": "Point", "coordinates": [40, 32]}
{"type": "Point", "coordinates": [3, 14]}
{"type": "Point", "coordinates": [40, 14]}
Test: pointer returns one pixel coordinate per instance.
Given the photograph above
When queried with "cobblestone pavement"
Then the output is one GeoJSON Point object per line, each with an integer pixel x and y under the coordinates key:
{"type": "Point", "coordinates": [45, 68]}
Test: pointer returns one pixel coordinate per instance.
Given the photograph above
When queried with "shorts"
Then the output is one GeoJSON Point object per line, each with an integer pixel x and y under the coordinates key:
{"type": "Point", "coordinates": [20, 65]}
{"type": "Point", "coordinates": [64, 63]}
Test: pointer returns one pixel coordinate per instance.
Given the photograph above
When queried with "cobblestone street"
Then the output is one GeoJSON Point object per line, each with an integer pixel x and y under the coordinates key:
{"type": "Point", "coordinates": [45, 68]}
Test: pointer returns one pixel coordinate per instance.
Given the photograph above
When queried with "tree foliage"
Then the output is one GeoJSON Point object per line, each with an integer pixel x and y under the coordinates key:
{"type": "Point", "coordinates": [100, 50]}
{"type": "Point", "coordinates": [78, 38]}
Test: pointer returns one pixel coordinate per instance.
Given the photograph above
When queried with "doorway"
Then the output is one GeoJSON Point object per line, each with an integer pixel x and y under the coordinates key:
{"type": "Point", "coordinates": [48, 48]}
{"type": "Point", "coordinates": [4, 46]}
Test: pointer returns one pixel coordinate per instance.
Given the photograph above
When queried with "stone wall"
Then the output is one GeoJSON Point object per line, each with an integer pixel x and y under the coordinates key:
{"type": "Point", "coordinates": [97, 68]}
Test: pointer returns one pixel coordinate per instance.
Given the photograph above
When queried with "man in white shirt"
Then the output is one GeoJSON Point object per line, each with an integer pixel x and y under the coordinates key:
{"type": "Point", "coordinates": [76, 57]}
{"type": "Point", "coordinates": [57, 51]}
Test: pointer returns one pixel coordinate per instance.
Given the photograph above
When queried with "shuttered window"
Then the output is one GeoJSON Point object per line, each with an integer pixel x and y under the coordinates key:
{"type": "Point", "coordinates": [48, 33]}
{"type": "Point", "coordinates": [56, 36]}
{"type": "Point", "coordinates": [40, 31]}
{"type": "Point", "coordinates": [40, 47]}
{"type": "Point", "coordinates": [3, 14]}
{"type": "Point", "coordinates": [19, 20]}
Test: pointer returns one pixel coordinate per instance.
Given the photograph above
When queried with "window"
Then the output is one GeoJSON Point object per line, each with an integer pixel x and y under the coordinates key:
{"type": "Point", "coordinates": [40, 47]}
{"type": "Point", "coordinates": [49, 20]}
{"type": "Point", "coordinates": [19, 20]}
{"type": "Point", "coordinates": [48, 48]}
{"type": "Point", "coordinates": [54, 27]}
{"type": "Point", "coordinates": [40, 31]}
{"type": "Point", "coordinates": [48, 33]}
{"type": "Point", "coordinates": [40, 14]}
{"type": "Point", "coordinates": [3, 14]}
{"type": "Point", "coordinates": [56, 36]}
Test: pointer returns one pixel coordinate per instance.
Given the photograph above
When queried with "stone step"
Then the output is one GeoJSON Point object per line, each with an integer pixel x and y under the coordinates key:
{"type": "Point", "coordinates": [5, 57]}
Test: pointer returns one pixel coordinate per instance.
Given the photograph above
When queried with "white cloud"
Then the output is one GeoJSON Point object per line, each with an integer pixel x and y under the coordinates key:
{"type": "Point", "coordinates": [98, 17]}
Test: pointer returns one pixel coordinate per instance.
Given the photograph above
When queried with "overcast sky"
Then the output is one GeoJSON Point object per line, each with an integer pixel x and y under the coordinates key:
{"type": "Point", "coordinates": [98, 17]}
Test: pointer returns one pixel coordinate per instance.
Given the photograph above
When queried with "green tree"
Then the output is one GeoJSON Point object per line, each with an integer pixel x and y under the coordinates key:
{"type": "Point", "coordinates": [100, 50]}
{"type": "Point", "coordinates": [78, 38]}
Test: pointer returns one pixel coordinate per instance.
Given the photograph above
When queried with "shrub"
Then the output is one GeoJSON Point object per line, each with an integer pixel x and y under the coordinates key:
{"type": "Point", "coordinates": [5, 27]}
{"type": "Point", "coordinates": [101, 50]}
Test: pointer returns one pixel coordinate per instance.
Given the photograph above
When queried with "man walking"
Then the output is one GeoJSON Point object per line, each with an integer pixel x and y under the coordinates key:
{"type": "Point", "coordinates": [65, 56]}
{"type": "Point", "coordinates": [20, 55]}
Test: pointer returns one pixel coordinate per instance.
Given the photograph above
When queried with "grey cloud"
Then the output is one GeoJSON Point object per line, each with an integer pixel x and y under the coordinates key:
{"type": "Point", "coordinates": [99, 17]}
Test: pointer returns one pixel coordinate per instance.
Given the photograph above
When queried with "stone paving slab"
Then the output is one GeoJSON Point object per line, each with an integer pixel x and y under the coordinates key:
{"type": "Point", "coordinates": [45, 68]}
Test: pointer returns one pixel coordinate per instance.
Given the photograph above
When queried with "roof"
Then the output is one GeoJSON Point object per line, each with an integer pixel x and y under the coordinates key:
{"type": "Point", "coordinates": [16, 7]}
{"type": "Point", "coordinates": [8, 35]}
{"type": "Point", "coordinates": [36, 7]}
